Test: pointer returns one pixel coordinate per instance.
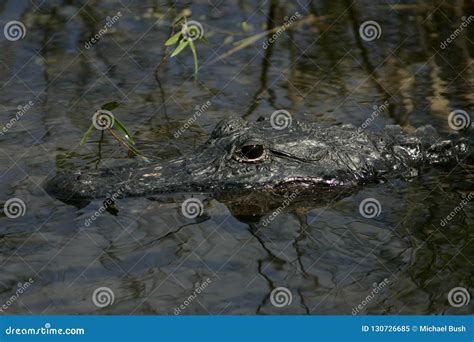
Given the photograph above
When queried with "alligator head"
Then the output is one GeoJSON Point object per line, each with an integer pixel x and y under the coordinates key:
{"type": "Point", "coordinates": [246, 156]}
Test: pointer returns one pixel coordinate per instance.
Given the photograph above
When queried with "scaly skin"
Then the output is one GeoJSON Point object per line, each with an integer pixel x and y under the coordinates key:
{"type": "Point", "coordinates": [245, 156]}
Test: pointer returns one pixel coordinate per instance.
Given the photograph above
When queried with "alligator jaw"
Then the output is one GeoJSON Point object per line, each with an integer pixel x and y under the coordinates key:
{"type": "Point", "coordinates": [313, 183]}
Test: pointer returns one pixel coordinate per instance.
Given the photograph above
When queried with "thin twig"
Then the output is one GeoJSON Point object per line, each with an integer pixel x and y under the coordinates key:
{"type": "Point", "coordinates": [252, 39]}
{"type": "Point", "coordinates": [128, 147]}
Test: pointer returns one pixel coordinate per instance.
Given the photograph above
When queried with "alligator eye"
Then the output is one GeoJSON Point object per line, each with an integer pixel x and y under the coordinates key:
{"type": "Point", "coordinates": [252, 152]}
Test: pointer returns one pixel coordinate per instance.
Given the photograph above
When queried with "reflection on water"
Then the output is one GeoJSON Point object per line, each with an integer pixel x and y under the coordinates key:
{"type": "Point", "coordinates": [156, 260]}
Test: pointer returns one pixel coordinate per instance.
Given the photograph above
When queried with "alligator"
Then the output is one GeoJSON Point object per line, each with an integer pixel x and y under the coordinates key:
{"type": "Point", "coordinates": [242, 156]}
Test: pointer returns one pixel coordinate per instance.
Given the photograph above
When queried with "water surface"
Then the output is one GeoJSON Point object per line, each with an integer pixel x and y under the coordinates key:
{"type": "Point", "coordinates": [152, 257]}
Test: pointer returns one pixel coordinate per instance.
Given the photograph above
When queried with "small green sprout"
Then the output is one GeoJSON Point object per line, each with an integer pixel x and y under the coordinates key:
{"type": "Point", "coordinates": [190, 31]}
{"type": "Point", "coordinates": [103, 119]}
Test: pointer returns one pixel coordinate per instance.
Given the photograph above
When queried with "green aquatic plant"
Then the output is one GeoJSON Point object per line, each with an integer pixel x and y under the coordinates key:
{"type": "Point", "coordinates": [190, 31]}
{"type": "Point", "coordinates": [104, 120]}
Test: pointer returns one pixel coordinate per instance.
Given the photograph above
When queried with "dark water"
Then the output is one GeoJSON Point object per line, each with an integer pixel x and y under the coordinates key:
{"type": "Point", "coordinates": [152, 257]}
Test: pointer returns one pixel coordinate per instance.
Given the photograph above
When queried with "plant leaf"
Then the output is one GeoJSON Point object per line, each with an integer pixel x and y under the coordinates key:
{"type": "Point", "coordinates": [180, 47]}
{"type": "Point", "coordinates": [110, 105]}
{"type": "Point", "coordinates": [196, 67]}
{"type": "Point", "coordinates": [132, 151]}
{"type": "Point", "coordinates": [173, 39]}
{"type": "Point", "coordinates": [123, 130]}
{"type": "Point", "coordinates": [86, 135]}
